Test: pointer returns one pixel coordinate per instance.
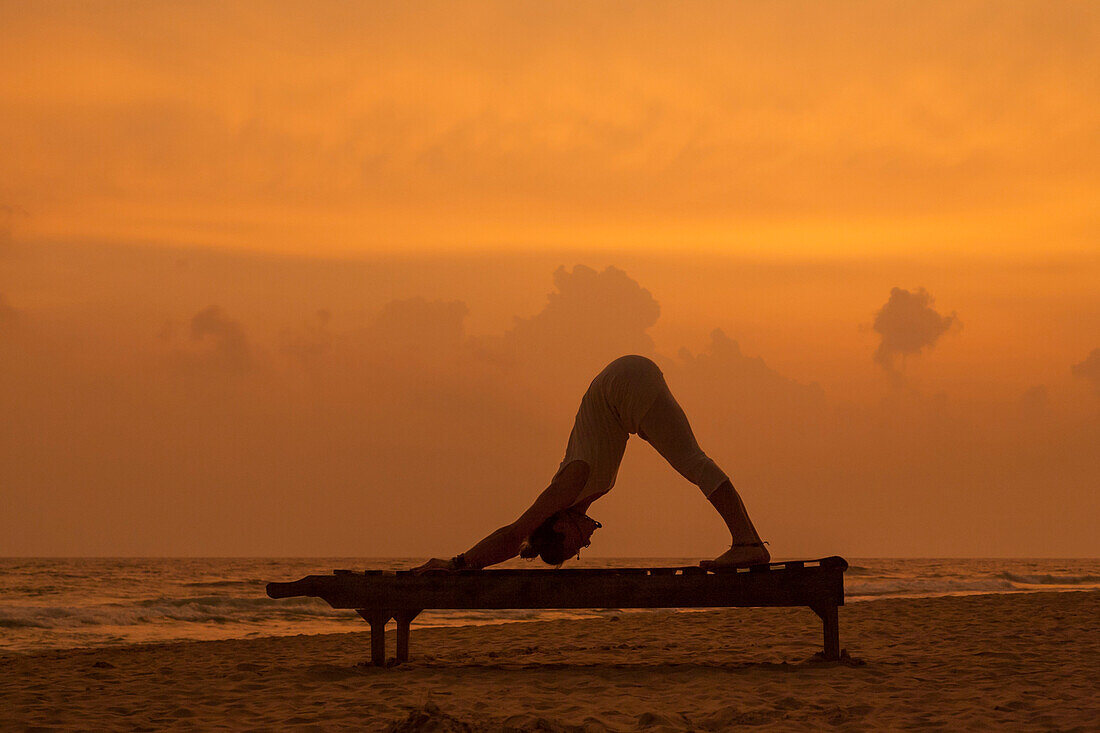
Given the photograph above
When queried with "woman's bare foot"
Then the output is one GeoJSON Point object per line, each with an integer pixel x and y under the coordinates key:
{"type": "Point", "coordinates": [738, 557]}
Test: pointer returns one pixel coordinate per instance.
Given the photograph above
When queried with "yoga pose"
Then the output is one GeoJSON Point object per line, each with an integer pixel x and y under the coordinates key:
{"type": "Point", "coordinates": [628, 397]}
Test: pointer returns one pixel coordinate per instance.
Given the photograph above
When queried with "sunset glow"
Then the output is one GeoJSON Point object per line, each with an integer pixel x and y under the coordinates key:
{"type": "Point", "coordinates": [274, 261]}
{"type": "Point", "coordinates": [792, 129]}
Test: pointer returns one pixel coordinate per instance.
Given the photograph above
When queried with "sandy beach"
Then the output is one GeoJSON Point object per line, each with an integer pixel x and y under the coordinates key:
{"type": "Point", "coordinates": [1019, 661]}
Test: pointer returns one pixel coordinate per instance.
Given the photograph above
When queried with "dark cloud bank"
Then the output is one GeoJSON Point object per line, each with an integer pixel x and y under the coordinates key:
{"type": "Point", "coordinates": [404, 434]}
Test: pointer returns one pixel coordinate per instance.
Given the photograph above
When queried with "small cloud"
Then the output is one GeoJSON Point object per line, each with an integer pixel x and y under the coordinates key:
{"type": "Point", "coordinates": [908, 324]}
{"type": "Point", "coordinates": [229, 346]}
{"type": "Point", "coordinates": [1089, 369]}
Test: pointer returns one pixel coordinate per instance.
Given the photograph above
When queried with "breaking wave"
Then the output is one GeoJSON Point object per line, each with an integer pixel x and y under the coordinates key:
{"type": "Point", "coordinates": [1048, 579]}
{"type": "Point", "coordinates": [202, 610]}
{"type": "Point", "coordinates": [925, 587]}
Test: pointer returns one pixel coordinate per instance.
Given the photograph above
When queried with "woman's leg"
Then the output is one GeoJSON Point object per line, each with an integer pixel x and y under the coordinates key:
{"type": "Point", "coordinates": [746, 547]}
{"type": "Point", "coordinates": [667, 429]}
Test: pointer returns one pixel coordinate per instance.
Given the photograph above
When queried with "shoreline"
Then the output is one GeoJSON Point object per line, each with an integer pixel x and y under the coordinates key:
{"type": "Point", "coordinates": [1023, 660]}
{"type": "Point", "coordinates": [4, 654]}
{"type": "Point", "coordinates": [86, 603]}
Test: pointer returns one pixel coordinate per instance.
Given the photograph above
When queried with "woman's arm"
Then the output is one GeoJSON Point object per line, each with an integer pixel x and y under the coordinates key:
{"type": "Point", "coordinates": [504, 543]}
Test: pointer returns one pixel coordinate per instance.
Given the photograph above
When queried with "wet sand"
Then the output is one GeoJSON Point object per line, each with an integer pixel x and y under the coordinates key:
{"type": "Point", "coordinates": [1022, 661]}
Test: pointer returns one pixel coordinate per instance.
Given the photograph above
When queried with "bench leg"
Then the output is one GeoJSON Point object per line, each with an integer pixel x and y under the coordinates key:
{"type": "Point", "coordinates": [377, 621]}
{"type": "Point", "coordinates": [404, 618]}
{"type": "Point", "coordinates": [831, 623]}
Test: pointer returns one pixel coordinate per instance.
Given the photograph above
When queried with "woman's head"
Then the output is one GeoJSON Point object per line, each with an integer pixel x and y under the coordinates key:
{"type": "Point", "coordinates": [560, 537]}
{"type": "Point", "coordinates": [546, 543]}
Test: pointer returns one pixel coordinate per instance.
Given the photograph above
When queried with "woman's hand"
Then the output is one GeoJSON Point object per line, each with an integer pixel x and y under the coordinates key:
{"type": "Point", "coordinates": [437, 564]}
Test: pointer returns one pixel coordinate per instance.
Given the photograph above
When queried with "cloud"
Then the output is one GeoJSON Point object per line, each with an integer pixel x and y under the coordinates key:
{"type": "Point", "coordinates": [419, 324]}
{"type": "Point", "coordinates": [396, 425]}
{"type": "Point", "coordinates": [908, 324]}
{"type": "Point", "coordinates": [1089, 369]}
{"type": "Point", "coordinates": [591, 318]}
{"type": "Point", "coordinates": [724, 360]}
{"type": "Point", "coordinates": [417, 352]}
{"type": "Point", "coordinates": [229, 348]}
{"type": "Point", "coordinates": [502, 132]}
{"type": "Point", "coordinates": [740, 394]}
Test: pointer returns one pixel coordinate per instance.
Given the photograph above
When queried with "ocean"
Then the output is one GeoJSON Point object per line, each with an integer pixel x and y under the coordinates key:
{"type": "Point", "coordinates": [62, 603]}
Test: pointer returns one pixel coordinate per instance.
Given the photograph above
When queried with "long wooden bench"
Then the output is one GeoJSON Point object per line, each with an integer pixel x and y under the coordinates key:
{"type": "Point", "coordinates": [380, 595]}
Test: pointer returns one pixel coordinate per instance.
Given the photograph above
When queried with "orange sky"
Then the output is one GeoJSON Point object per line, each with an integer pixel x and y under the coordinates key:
{"type": "Point", "coordinates": [771, 170]}
{"type": "Point", "coordinates": [789, 128]}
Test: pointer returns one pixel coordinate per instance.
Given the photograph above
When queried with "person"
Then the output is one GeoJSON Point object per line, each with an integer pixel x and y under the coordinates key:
{"type": "Point", "coordinates": [628, 397]}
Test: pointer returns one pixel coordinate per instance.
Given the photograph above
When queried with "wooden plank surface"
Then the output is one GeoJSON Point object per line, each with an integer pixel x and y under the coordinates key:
{"type": "Point", "coordinates": [796, 583]}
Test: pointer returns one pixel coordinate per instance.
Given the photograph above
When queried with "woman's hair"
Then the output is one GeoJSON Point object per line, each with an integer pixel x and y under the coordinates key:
{"type": "Point", "coordinates": [546, 543]}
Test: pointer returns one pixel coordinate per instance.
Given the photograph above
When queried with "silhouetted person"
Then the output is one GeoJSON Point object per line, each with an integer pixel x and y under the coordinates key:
{"type": "Point", "coordinates": [628, 397]}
